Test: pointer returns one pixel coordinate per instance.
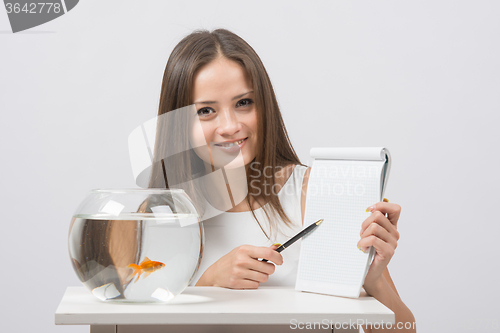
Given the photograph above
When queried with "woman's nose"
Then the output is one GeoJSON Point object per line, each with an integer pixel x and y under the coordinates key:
{"type": "Point", "coordinates": [228, 123]}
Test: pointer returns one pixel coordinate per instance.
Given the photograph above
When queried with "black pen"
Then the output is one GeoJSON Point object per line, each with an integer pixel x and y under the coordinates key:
{"type": "Point", "coordinates": [298, 236]}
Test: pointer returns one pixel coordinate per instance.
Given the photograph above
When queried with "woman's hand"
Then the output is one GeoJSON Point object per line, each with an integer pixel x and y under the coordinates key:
{"type": "Point", "coordinates": [241, 269]}
{"type": "Point", "coordinates": [380, 231]}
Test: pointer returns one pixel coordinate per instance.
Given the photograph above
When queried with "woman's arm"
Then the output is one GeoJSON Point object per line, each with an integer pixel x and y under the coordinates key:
{"type": "Point", "coordinates": [385, 292]}
{"type": "Point", "coordinates": [379, 230]}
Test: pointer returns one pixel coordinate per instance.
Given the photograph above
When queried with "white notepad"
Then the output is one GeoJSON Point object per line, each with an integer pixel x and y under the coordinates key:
{"type": "Point", "coordinates": [342, 184]}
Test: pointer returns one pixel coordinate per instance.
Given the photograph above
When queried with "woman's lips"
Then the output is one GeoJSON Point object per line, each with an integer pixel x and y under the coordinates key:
{"type": "Point", "coordinates": [230, 144]}
{"type": "Point", "coordinates": [231, 147]}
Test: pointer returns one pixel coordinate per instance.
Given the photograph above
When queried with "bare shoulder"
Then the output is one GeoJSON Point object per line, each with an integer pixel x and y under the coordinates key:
{"type": "Point", "coordinates": [306, 177]}
{"type": "Point", "coordinates": [304, 192]}
{"type": "Point", "coordinates": [283, 173]}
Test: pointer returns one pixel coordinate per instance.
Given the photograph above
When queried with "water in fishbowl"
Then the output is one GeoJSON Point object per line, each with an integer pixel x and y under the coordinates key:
{"type": "Point", "coordinates": [136, 257]}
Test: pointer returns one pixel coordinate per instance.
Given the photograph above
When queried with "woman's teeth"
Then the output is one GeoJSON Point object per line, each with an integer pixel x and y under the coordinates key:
{"type": "Point", "coordinates": [230, 144]}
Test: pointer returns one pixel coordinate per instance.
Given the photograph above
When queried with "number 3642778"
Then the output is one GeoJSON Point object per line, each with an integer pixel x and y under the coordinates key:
{"type": "Point", "coordinates": [33, 8]}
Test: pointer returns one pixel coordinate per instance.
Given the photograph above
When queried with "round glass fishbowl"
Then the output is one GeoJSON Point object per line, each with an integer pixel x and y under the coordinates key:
{"type": "Point", "coordinates": [136, 245]}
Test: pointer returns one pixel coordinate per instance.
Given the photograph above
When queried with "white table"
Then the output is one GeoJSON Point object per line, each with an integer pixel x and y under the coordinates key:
{"type": "Point", "coordinates": [212, 309]}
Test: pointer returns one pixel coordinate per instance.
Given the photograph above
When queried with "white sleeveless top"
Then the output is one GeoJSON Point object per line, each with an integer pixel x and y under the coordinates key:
{"type": "Point", "coordinates": [228, 230]}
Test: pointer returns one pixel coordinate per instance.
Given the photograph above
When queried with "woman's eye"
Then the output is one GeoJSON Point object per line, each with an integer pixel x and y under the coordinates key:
{"type": "Point", "coordinates": [204, 112]}
{"type": "Point", "coordinates": [244, 102]}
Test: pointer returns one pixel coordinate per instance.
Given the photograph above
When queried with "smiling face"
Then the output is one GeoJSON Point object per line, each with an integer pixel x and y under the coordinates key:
{"type": "Point", "coordinates": [224, 100]}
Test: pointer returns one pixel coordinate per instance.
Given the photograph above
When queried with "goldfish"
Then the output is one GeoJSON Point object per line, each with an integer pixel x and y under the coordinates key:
{"type": "Point", "coordinates": [146, 266]}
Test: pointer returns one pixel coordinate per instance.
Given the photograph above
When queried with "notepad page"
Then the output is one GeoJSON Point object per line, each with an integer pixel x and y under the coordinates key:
{"type": "Point", "coordinates": [339, 192]}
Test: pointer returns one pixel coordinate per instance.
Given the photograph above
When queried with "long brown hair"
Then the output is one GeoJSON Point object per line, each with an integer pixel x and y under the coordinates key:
{"type": "Point", "coordinates": [275, 151]}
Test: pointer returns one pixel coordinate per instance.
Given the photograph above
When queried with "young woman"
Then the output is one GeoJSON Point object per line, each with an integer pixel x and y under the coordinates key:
{"type": "Point", "coordinates": [229, 104]}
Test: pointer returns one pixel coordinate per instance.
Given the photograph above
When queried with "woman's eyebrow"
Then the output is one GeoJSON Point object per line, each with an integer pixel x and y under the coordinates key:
{"type": "Point", "coordinates": [213, 102]}
{"type": "Point", "coordinates": [240, 96]}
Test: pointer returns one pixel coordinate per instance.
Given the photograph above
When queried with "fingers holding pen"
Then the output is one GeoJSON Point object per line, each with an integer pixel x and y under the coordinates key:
{"type": "Point", "coordinates": [241, 269]}
{"type": "Point", "coordinates": [247, 260]}
{"type": "Point", "coordinates": [275, 246]}
{"type": "Point", "coordinates": [268, 253]}
{"type": "Point", "coordinates": [249, 271]}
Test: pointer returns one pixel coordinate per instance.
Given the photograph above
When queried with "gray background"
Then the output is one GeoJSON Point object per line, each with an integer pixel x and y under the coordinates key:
{"type": "Point", "coordinates": [421, 78]}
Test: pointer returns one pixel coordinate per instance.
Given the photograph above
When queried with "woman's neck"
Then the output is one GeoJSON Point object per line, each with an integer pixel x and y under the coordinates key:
{"type": "Point", "coordinates": [228, 190]}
